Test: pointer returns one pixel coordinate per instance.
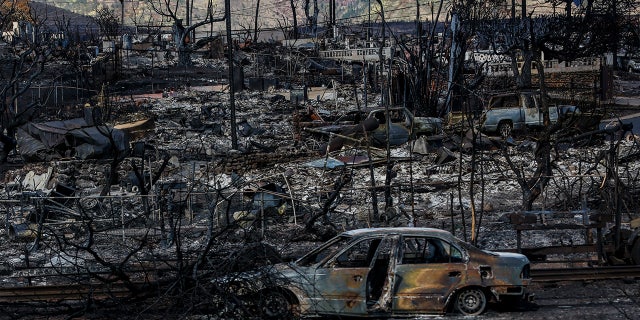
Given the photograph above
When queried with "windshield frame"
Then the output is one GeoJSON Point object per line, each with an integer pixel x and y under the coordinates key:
{"type": "Point", "coordinates": [331, 247]}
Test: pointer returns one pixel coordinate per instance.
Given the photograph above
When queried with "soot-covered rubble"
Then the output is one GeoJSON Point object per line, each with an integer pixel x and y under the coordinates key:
{"type": "Point", "coordinates": [183, 193]}
{"type": "Point", "coordinates": [190, 143]}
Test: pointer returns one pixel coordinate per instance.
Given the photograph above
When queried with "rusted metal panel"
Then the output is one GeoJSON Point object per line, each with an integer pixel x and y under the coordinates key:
{"type": "Point", "coordinates": [425, 287]}
{"type": "Point", "coordinates": [341, 290]}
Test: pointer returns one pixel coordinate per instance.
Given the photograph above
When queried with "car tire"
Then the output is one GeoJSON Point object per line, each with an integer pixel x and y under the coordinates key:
{"type": "Point", "coordinates": [275, 305]}
{"type": "Point", "coordinates": [635, 252]}
{"type": "Point", "coordinates": [505, 129]}
{"type": "Point", "coordinates": [471, 301]}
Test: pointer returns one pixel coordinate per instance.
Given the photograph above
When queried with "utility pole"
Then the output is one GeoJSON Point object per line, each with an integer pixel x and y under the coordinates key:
{"type": "Point", "coordinates": [188, 13]}
{"type": "Point", "coordinates": [332, 17]}
{"type": "Point", "coordinates": [232, 89]}
{"type": "Point", "coordinates": [121, 50]}
{"type": "Point", "coordinates": [122, 15]}
{"type": "Point", "coordinates": [365, 63]}
{"type": "Point", "coordinates": [453, 61]}
{"type": "Point", "coordinates": [189, 16]}
{"type": "Point", "coordinates": [255, 23]}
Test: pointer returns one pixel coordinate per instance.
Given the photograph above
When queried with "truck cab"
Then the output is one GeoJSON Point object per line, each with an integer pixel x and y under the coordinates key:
{"type": "Point", "coordinates": [517, 111]}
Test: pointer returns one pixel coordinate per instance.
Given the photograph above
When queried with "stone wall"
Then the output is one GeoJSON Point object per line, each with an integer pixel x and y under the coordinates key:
{"type": "Point", "coordinates": [580, 81]}
{"type": "Point", "coordinates": [242, 162]}
{"type": "Point", "coordinates": [583, 85]}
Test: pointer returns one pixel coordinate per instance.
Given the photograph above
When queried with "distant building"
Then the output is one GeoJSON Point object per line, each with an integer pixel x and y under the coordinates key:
{"type": "Point", "coordinates": [19, 29]}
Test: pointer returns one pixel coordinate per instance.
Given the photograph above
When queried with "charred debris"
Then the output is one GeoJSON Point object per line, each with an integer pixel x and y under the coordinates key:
{"type": "Point", "coordinates": [139, 182]}
{"type": "Point", "coordinates": [316, 158]}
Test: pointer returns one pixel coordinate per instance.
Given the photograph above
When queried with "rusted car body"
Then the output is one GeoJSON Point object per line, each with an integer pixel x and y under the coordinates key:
{"type": "Point", "coordinates": [387, 272]}
{"type": "Point", "coordinates": [402, 126]}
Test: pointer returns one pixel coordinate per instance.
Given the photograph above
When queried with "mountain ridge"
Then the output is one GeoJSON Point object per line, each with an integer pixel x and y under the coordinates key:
{"type": "Point", "coordinates": [272, 13]}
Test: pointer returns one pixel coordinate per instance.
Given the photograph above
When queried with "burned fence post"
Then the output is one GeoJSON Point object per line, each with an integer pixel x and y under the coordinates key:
{"type": "Point", "coordinates": [453, 223]}
{"type": "Point", "coordinates": [602, 255]}
{"type": "Point", "coordinates": [374, 195]}
{"type": "Point", "coordinates": [40, 222]}
{"type": "Point", "coordinates": [263, 219]}
{"type": "Point", "coordinates": [293, 204]}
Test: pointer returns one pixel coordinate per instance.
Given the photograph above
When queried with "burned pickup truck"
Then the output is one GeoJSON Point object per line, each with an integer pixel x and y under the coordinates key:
{"type": "Point", "coordinates": [518, 111]}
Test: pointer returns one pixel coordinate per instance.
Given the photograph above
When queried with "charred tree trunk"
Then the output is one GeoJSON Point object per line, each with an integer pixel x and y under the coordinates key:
{"type": "Point", "coordinates": [339, 184]}
{"type": "Point", "coordinates": [295, 20]}
{"type": "Point", "coordinates": [385, 102]}
{"type": "Point", "coordinates": [431, 96]}
{"type": "Point", "coordinates": [543, 151]}
{"type": "Point", "coordinates": [112, 176]}
{"type": "Point", "coordinates": [312, 19]}
{"type": "Point", "coordinates": [524, 78]}
{"type": "Point", "coordinates": [182, 39]}
{"type": "Point", "coordinates": [533, 187]}
{"type": "Point", "coordinates": [255, 23]}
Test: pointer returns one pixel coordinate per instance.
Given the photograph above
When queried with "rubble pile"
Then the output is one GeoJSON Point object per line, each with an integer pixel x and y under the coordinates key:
{"type": "Point", "coordinates": [183, 192]}
{"type": "Point", "coordinates": [192, 135]}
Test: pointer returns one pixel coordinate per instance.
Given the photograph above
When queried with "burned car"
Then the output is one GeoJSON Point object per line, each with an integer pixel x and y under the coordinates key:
{"type": "Point", "coordinates": [384, 272]}
{"type": "Point", "coordinates": [403, 126]}
{"type": "Point", "coordinates": [395, 126]}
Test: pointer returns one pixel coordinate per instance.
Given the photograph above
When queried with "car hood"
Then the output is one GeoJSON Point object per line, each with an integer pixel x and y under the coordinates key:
{"type": "Point", "coordinates": [280, 274]}
{"type": "Point", "coordinates": [278, 270]}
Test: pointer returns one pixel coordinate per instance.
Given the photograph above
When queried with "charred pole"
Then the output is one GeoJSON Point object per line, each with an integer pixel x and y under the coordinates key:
{"type": "Point", "coordinates": [232, 89]}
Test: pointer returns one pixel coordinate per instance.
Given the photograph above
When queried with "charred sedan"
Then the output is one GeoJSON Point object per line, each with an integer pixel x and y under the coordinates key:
{"type": "Point", "coordinates": [384, 272]}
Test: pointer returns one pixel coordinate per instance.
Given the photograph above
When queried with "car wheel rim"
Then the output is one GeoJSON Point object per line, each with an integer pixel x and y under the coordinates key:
{"type": "Point", "coordinates": [471, 301]}
{"type": "Point", "coordinates": [275, 306]}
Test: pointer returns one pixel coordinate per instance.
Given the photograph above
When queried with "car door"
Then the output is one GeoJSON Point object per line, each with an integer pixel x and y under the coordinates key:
{"type": "Point", "coordinates": [345, 283]}
{"type": "Point", "coordinates": [340, 283]}
{"type": "Point", "coordinates": [381, 278]}
{"type": "Point", "coordinates": [530, 104]}
{"type": "Point", "coordinates": [429, 271]}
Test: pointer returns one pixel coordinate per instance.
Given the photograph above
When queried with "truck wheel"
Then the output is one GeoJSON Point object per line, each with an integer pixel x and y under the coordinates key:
{"type": "Point", "coordinates": [505, 129]}
{"type": "Point", "coordinates": [635, 252]}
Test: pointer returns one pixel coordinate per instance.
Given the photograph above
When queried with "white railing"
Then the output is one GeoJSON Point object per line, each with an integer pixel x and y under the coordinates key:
{"type": "Point", "coordinates": [359, 54]}
{"type": "Point", "coordinates": [550, 66]}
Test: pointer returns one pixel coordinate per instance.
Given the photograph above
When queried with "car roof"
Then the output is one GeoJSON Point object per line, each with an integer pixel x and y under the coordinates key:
{"type": "Point", "coordinates": [403, 230]}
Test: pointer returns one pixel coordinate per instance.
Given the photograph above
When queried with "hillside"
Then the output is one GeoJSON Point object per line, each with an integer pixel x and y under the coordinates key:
{"type": "Point", "coordinates": [53, 15]}
{"type": "Point", "coordinates": [272, 12]}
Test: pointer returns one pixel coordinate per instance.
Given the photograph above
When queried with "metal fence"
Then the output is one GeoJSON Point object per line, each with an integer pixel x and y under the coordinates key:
{"type": "Point", "coordinates": [56, 95]}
